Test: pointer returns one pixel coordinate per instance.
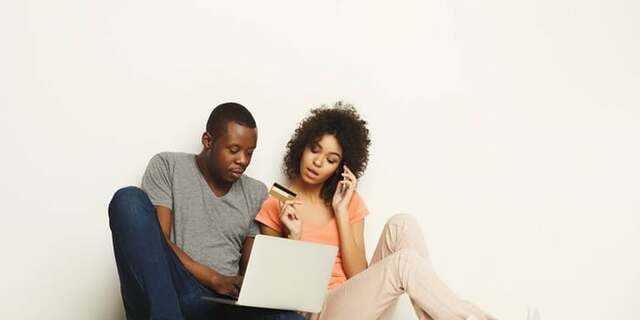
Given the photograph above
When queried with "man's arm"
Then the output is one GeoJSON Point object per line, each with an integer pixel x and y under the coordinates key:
{"type": "Point", "coordinates": [224, 285]}
{"type": "Point", "coordinates": [246, 252]}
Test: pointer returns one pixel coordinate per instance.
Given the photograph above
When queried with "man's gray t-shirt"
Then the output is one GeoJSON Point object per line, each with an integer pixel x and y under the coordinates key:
{"type": "Point", "coordinates": [210, 229]}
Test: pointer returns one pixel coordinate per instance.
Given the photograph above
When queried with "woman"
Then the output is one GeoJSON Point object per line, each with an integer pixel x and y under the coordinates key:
{"type": "Point", "coordinates": [325, 156]}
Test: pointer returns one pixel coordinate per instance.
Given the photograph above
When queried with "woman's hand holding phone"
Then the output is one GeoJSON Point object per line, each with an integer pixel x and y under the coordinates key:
{"type": "Point", "coordinates": [344, 192]}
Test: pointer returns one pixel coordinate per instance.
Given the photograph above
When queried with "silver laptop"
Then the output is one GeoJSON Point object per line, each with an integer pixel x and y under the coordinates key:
{"type": "Point", "coordinates": [285, 274]}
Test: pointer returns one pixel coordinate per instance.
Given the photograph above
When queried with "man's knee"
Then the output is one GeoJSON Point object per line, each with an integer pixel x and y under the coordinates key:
{"type": "Point", "coordinates": [129, 206]}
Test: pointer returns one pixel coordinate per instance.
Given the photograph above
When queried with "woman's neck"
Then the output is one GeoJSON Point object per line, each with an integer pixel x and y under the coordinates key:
{"type": "Point", "coordinates": [307, 191]}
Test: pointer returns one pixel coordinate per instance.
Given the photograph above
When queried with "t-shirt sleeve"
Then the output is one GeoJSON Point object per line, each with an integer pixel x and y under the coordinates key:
{"type": "Point", "coordinates": [157, 183]}
{"type": "Point", "coordinates": [254, 228]}
{"type": "Point", "coordinates": [269, 214]}
{"type": "Point", "coordinates": [357, 209]}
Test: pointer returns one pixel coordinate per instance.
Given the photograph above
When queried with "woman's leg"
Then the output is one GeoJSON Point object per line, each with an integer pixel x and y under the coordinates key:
{"type": "Point", "coordinates": [368, 294]}
{"type": "Point", "coordinates": [400, 264]}
{"type": "Point", "coordinates": [402, 231]}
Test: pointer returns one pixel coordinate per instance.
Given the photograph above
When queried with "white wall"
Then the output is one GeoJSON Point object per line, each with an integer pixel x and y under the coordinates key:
{"type": "Point", "coordinates": [510, 129]}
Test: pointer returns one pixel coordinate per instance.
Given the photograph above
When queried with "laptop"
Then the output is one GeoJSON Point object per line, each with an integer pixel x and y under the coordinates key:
{"type": "Point", "coordinates": [285, 274]}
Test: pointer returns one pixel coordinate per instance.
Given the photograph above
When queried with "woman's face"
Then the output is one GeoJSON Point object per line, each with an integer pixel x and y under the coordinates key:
{"type": "Point", "coordinates": [320, 160]}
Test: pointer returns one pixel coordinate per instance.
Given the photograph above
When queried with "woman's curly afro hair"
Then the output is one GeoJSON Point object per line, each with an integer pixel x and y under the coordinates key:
{"type": "Point", "coordinates": [343, 121]}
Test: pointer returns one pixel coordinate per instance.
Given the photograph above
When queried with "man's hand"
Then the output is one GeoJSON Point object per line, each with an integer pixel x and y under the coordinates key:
{"type": "Point", "coordinates": [227, 286]}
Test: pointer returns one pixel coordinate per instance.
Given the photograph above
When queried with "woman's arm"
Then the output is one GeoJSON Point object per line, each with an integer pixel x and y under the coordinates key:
{"type": "Point", "coordinates": [286, 232]}
{"type": "Point", "coordinates": [292, 225]}
{"type": "Point", "coordinates": [268, 231]}
{"type": "Point", "coordinates": [351, 235]}
{"type": "Point", "coordinates": [351, 245]}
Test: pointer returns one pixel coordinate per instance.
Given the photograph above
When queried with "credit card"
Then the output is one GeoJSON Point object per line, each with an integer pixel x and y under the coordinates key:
{"type": "Point", "coordinates": [281, 193]}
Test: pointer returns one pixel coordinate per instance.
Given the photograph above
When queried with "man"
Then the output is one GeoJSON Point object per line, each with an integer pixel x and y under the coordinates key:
{"type": "Point", "coordinates": [188, 231]}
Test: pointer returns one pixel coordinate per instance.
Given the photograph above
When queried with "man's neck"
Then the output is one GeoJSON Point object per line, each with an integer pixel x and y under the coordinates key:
{"type": "Point", "coordinates": [218, 188]}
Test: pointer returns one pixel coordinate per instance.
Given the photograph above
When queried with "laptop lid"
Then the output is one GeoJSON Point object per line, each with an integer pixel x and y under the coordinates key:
{"type": "Point", "coordinates": [287, 274]}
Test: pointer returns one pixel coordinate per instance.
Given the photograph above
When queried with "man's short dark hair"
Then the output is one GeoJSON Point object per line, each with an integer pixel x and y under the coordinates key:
{"type": "Point", "coordinates": [228, 112]}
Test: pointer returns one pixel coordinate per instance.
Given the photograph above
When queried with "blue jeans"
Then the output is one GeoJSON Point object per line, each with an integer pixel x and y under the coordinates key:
{"type": "Point", "coordinates": [153, 282]}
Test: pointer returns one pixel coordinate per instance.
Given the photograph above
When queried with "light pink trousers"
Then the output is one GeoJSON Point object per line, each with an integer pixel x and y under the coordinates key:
{"type": "Point", "coordinates": [400, 264]}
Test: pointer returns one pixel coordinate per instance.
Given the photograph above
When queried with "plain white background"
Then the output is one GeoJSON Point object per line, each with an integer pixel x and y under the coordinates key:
{"type": "Point", "coordinates": [510, 129]}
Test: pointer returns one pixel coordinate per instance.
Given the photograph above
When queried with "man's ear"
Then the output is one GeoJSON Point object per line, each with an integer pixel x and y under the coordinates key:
{"type": "Point", "coordinates": [207, 140]}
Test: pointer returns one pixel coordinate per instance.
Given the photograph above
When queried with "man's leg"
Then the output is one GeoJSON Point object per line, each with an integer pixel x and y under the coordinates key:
{"type": "Point", "coordinates": [249, 313]}
{"type": "Point", "coordinates": [154, 284]}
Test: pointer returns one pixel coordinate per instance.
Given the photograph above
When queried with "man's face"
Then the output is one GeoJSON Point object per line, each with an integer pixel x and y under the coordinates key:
{"type": "Point", "coordinates": [228, 155]}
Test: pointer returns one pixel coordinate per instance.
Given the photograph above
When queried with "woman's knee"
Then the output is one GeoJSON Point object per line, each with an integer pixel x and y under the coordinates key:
{"type": "Point", "coordinates": [404, 261]}
{"type": "Point", "coordinates": [406, 255]}
{"type": "Point", "coordinates": [402, 219]}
